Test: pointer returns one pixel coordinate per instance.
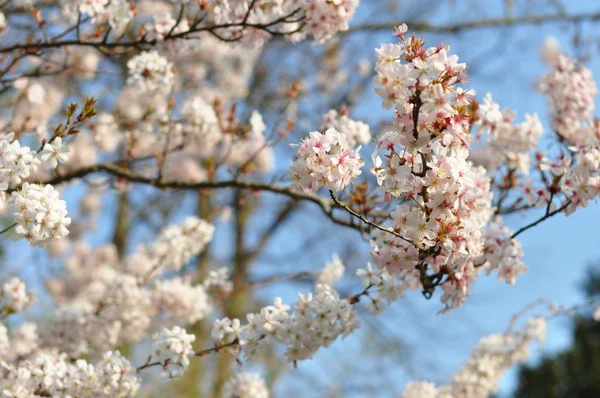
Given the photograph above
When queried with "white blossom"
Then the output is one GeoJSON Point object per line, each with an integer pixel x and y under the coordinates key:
{"type": "Point", "coordinates": [245, 385]}
{"type": "Point", "coordinates": [149, 71]}
{"type": "Point", "coordinates": [55, 152]}
{"type": "Point", "coordinates": [173, 347]}
{"type": "Point", "coordinates": [40, 213]}
{"type": "Point", "coordinates": [14, 296]}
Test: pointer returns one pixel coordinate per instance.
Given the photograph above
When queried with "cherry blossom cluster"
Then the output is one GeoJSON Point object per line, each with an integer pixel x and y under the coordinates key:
{"type": "Point", "coordinates": [117, 13]}
{"type": "Point", "coordinates": [326, 18]}
{"type": "Point", "coordinates": [174, 246]}
{"type": "Point", "coordinates": [245, 385]}
{"type": "Point", "coordinates": [317, 321]}
{"type": "Point", "coordinates": [501, 253]}
{"type": "Point", "coordinates": [445, 201]}
{"type": "Point", "coordinates": [206, 131]}
{"type": "Point", "coordinates": [248, 20]}
{"type": "Point", "coordinates": [571, 89]}
{"type": "Point", "coordinates": [332, 271]}
{"type": "Point", "coordinates": [383, 288]}
{"type": "Point", "coordinates": [106, 132]}
{"type": "Point", "coordinates": [357, 132]}
{"type": "Point", "coordinates": [506, 142]}
{"type": "Point", "coordinates": [209, 133]}
{"type": "Point", "coordinates": [150, 72]}
{"type": "Point", "coordinates": [14, 296]}
{"type": "Point", "coordinates": [22, 342]}
{"type": "Point", "coordinates": [173, 348]}
{"type": "Point", "coordinates": [180, 301]}
{"type": "Point", "coordinates": [218, 281]}
{"type": "Point", "coordinates": [40, 214]}
{"type": "Point", "coordinates": [325, 160]}
{"type": "Point", "coordinates": [106, 301]}
{"type": "Point", "coordinates": [16, 162]}
{"type": "Point", "coordinates": [305, 18]}
{"type": "Point", "coordinates": [480, 376]}
{"type": "Point", "coordinates": [164, 24]}
{"type": "Point", "coordinates": [573, 176]}
{"type": "Point", "coordinates": [55, 152]}
{"type": "Point", "coordinates": [47, 374]}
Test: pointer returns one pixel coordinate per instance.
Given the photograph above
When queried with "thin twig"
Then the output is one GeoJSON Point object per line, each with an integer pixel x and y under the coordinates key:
{"type": "Point", "coordinates": [545, 217]}
{"type": "Point", "coordinates": [8, 228]}
{"type": "Point", "coordinates": [363, 219]}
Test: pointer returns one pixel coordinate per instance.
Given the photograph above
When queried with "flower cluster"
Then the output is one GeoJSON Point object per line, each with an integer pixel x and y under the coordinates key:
{"type": "Point", "coordinates": [218, 281]}
{"type": "Point", "coordinates": [480, 375]}
{"type": "Point", "coordinates": [57, 376]}
{"type": "Point", "coordinates": [14, 296]}
{"type": "Point", "coordinates": [383, 287]}
{"type": "Point", "coordinates": [24, 341]}
{"type": "Point", "coordinates": [165, 24]}
{"type": "Point", "coordinates": [326, 18]}
{"type": "Point", "coordinates": [357, 132]}
{"type": "Point", "coordinates": [173, 248]}
{"type": "Point", "coordinates": [116, 13]}
{"type": "Point", "coordinates": [55, 152]}
{"type": "Point", "coordinates": [571, 89]}
{"type": "Point", "coordinates": [445, 200]}
{"type": "Point", "coordinates": [106, 132]}
{"type": "Point", "coordinates": [40, 213]}
{"type": "Point", "coordinates": [150, 72]}
{"type": "Point", "coordinates": [332, 271]}
{"type": "Point", "coordinates": [245, 385]}
{"type": "Point", "coordinates": [321, 19]}
{"type": "Point", "coordinates": [316, 322]}
{"type": "Point", "coordinates": [502, 253]}
{"type": "Point", "coordinates": [106, 301]}
{"type": "Point", "coordinates": [325, 160]}
{"type": "Point", "coordinates": [176, 244]}
{"type": "Point", "coordinates": [111, 310]}
{"type": "Point", "coordinates": [507, 143]}
{"type": "Point", "coordinates": [16, 162]}
{"type": "Point", "coordinates": [173, 348]}
{"type": "Point", "coordinates": [179, 301]}
{"type": "Point", "coordinates": [573, 175]}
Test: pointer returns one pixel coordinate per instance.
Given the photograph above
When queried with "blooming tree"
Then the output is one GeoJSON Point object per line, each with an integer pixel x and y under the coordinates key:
{"type": "Point", "coordinates": [173, 117]}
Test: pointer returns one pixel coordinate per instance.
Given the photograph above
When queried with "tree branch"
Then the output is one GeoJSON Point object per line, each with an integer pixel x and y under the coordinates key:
{"type": "Point", "coordinates": [143, 41]}
{"type": "Point", "coordinates": [545, 217]}
{"type": "Point", "coordinates": [113, 169]}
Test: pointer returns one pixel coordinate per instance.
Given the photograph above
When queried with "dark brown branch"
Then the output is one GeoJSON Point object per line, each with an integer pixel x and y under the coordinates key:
{"type": "Point", "coordinates": [545, 217]}
{"type": "Point", "coordinates": [337, 201]}
{"type": "Point", "coordinates": [113, 169]}
{"type": "Point", "coordinates": [8, 228]}
{"type": "Point", "coordinates": [201, 353]}
{"type": "Point", "coordinates": [144, 41]}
